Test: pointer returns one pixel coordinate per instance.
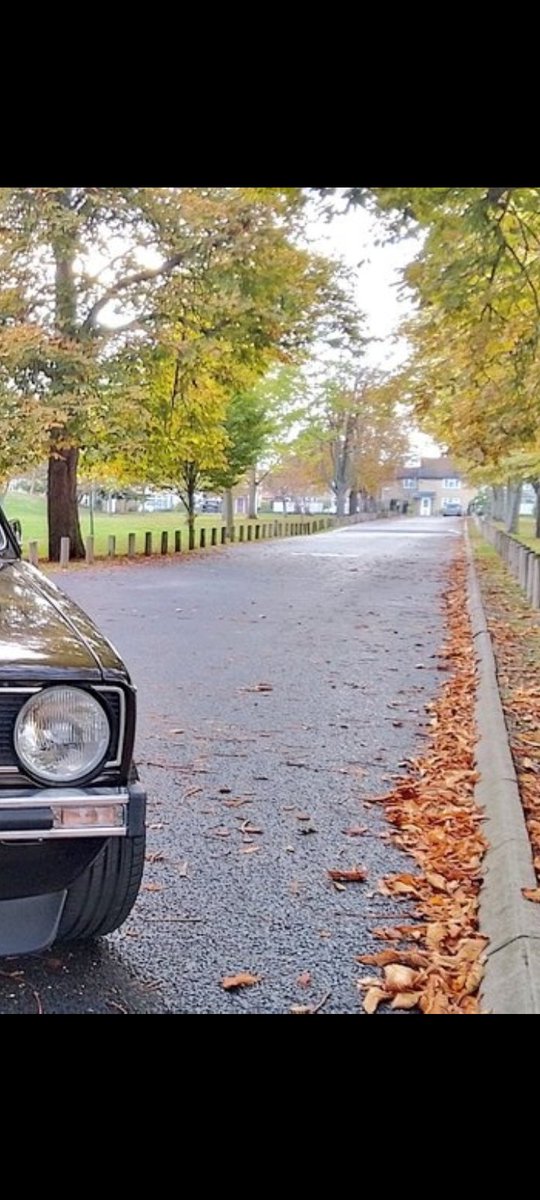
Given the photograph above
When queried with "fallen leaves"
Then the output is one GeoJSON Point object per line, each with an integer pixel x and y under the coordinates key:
{"type": "Point", "coordinates": [532, 894]}
{"type": "Point", "coordinates": [230, 982]}
{"type": "Point", "coordinates": [258, 687]}
{"type": "Point", "coordinates": [435, 819]}
{"type": "Point", "coordinates": [353, 875]}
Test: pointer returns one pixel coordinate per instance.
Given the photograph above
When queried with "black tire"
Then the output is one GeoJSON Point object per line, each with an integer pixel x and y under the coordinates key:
{"type": "Point", "coordinates": [103, 896]}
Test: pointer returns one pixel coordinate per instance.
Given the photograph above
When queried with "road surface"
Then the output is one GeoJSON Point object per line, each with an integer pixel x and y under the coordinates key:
{"type": "Point", "coordinates": [252, 787]}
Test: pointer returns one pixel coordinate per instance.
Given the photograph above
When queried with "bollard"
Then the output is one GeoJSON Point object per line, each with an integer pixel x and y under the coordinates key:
{"type": "Point", "coordinates": [89, 550]}
{"type": "Point", "coordinates": [177, 542]}
{"type": "Point", "coordinates": [233, 533]}
{"type": "Point", "coordinates": [308, 527]}
{"type": "Point", "coordinates": [164, 542]}
{"type": "Point", "coordinates": [33, 553]}
{"type": "Point", "coordinates": [263, 531]}
{"type": "Point", "coordinates": [241, 533]}
{"type": "Point", "coordinates": [202, 539]}
{"type": "Point", "coordinates": [223, 534]}
{"type": "Point", "coordinates": [64, 553]}
{"type": "Point", "coordinates": [148, 543]}
{"type": "Point", "coordinates": [131, 545]}
{"type": "Point", "coordinates": [213, 536]}
{"type": "Point", "coordinates": [535, 592]}
{"type": "Point", "coordinates": [249, 532]}
{"type": "Point", "coordinates": [111, 545]}
{"type": "Point", "coordinates": [257, 532]}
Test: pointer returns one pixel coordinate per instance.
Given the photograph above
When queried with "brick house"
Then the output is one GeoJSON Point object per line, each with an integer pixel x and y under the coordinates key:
{"type": "Point", "coordinates": [422, 490]}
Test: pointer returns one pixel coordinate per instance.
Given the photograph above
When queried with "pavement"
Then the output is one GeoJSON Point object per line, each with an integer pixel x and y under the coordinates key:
{"type": "Point", "coordinates": [253, 788]}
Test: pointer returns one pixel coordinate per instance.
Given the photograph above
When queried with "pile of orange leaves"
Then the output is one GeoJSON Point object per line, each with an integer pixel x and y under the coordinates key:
{"type": "Point", "coordinates": [436, 965]}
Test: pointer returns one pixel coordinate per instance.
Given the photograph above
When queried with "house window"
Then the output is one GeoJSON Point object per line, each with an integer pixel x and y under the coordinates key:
{"type": "Point", "coordinates": [409, 483]}
{"type": "Point", "coordinates": [451, 483]}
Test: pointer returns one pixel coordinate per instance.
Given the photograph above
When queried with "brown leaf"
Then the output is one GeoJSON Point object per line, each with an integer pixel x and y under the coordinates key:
{"type": "Point", "coordinates": [405, 1000]}
{"type": "Point", "coordinates": [249, 849]}
{"type": "Point", "coordinates": [258, 687]}
{"type": "Point", "coordinates": [353, 875]}
{"type": "Point", "coordinates": [152, 887]}
{"type": "Point", "coordinates": [302, 1010]}
{"type": "Point", "coordinates": [373, 998]}
{"type": "Point", "coordinates": [247, 827]}
{"type": "Point", "coordinates": [304, 979]}
{"type": "Point", "coordinates": [355, 831]}
{"type": "Point", "coordinates": [531, 894]}
{"type": "Point", "coordinates": [399, 978]}
{"type": "Point", "coordinates": [244, 979]}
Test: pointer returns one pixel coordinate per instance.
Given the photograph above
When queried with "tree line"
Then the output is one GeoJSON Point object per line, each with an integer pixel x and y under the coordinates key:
{"type": "Point", "coordinates": [158, 335]}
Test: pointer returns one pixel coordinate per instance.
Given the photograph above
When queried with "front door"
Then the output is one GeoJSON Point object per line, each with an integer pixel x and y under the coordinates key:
{"type": "Point", "coordinates": [425, 506]}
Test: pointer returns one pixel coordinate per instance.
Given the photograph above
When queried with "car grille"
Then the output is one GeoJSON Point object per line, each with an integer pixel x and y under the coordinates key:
{"type": "Point", "coordinates": [10, 706]}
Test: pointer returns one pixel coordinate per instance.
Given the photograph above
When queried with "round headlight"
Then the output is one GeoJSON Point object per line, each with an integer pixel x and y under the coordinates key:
{"type": "Point", "coordinates": [61, 734]}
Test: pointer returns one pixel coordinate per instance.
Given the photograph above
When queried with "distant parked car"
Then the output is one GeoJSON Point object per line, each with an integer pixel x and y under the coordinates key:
{"type": "Point", "coordinates": [209, 506]}
{"type": "Point", "coordinates": [451, 508]}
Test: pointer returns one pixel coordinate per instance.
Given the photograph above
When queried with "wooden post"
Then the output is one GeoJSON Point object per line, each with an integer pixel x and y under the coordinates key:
{"type": "Point", "coordinates": [257, 532]}
{"type": "Point", "coordinates": [202, 541]}
{"type": "Point", "coordinates": [223, 534]}
{"type": "Point", "coordinates": [177, 541]}
{"type": "Point", "coordinates": [164, 542]}
{"type": "Point", "coordinates": [131, 545]}
{"type": "Point", "coordinates": [233, 533]}
{"type": "Point", "coordinates": [111, 545]}
{"type": "Point", "coordinates": [241, 533]}
{"type": "Point", "coordinates": [249, 532]}
{"type": "Point", "coordinates": [89, 550]}
{"type": "Point", "coordinates": [213, 536]}
{"type": "Point", "coordinates": [148, 543]}
{"type": "Point", "coordinates": [33, 553]}
{"type": "Point", "coordinates": [64, 553]}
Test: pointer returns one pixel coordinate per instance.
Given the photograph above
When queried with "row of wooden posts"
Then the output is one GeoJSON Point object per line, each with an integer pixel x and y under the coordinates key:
{"type": "Point", "coordinates": [522, 562]}
{"type": "Point", "coordinates": [255, 531]}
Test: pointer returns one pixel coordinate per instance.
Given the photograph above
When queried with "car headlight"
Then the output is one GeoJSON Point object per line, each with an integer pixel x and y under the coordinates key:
{"type": "Point", "coordinates": [61, 734]}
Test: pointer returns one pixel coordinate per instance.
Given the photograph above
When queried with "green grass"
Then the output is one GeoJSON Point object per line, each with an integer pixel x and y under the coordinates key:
{"type": "Point", "coordinates": [31, 511]}
{"type": "Point", "coordinates": [526, 534]}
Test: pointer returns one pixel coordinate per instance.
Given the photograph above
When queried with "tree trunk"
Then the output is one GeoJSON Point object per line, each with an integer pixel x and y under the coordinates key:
{"type": "Point", "coordinates": [536, 486]}
{"type": "Point", "coordinates": [62, 507]}
{"type": "Point", "coordinates": [252, 509]}
{"type": "Point", "coordinates": [513, 501]}
{"type": "Point", "coordinates": [353, 502]}
{"type": "Point", "coordinates": [228, 512]}
{"type": "Point", "coordinates": [341, 496]}
{"type": "Point", "coordinates": [62, 510]}
{"type": "Point", "coordinates": [498, 502]}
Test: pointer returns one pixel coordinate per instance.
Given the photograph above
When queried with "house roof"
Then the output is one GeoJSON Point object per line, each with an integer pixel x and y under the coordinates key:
{"type": "Point", "coordinates": [431, 468]}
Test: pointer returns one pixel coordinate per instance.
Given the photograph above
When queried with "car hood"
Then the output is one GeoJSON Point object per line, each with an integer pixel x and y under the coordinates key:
{"type": "Point", "coordinates": [43, 634]}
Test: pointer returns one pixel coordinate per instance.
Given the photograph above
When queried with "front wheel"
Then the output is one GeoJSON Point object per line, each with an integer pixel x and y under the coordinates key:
{"type": "Point", "coordinates": [102, 897]}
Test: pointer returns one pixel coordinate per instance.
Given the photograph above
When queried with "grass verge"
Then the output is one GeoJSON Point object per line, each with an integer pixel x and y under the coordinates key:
{"type": "Point", "coordinates": [515, 633]}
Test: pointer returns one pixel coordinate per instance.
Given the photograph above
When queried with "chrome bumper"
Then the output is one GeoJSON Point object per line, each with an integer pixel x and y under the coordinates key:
{"type": "Point", "coordinates": [70, 813]}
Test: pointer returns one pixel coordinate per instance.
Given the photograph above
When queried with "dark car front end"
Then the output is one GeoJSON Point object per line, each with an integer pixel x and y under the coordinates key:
{"type": "Point", "coordinates": [69, 793]}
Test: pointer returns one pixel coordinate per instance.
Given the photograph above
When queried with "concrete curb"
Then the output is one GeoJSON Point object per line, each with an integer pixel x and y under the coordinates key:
{"type": "Point", "coordinates": [512, 976]}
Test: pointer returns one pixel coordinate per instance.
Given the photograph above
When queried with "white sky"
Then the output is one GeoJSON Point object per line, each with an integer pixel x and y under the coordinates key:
{"type": "Point", "coordinates": [352, 237]}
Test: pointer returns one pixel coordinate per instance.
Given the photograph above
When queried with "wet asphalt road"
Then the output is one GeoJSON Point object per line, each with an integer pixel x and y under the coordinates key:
{"type": "Point", "coordinates": [250, 789]}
